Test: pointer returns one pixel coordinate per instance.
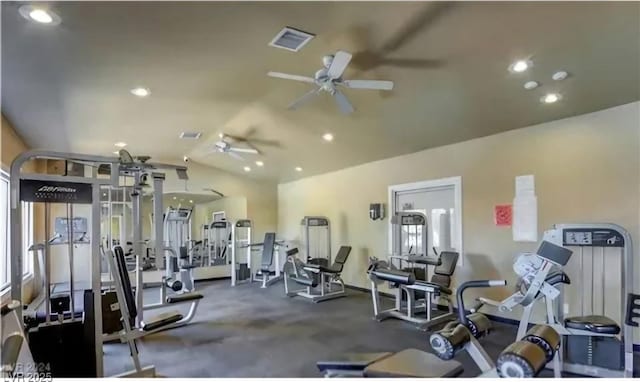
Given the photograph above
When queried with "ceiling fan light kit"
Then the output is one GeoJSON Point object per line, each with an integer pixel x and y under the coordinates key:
{"type": "Point", "coordinates": [329, 79]}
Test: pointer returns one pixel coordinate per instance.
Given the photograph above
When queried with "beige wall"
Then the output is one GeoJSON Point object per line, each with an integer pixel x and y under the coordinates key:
{"type": "Point", "coordinates": [586, 170]}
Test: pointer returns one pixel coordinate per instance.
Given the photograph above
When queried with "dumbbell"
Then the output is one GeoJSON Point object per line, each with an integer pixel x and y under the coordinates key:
{"type": "Point", "coordinates": [453, 336]}
{"type": "Point", "coordinates": [527, 357]}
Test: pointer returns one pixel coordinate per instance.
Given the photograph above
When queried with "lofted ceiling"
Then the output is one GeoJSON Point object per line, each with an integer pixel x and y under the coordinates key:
{"type": "Point", "coordinates": [66, 87]}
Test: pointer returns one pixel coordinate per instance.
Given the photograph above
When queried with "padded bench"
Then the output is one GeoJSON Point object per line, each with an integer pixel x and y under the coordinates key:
{"type": "Point", "coordinates": [161, 320]}
{"type": "Point", "coordinates": [408, 363]}
{"type": "Point", "coordinates": [177, 298]}
{"type": "Point", "coordinates": [594, 324]}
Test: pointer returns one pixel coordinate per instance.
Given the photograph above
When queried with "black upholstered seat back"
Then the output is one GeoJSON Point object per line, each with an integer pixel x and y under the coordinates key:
{"type": "Point", "coordinates": [267, 249]}
{"type": "Point", "coordinates": [341, 257]}
{"type": "Point", "coordinates": [443, 272]}
{"type": "Point", "coordinates": [129, 298]}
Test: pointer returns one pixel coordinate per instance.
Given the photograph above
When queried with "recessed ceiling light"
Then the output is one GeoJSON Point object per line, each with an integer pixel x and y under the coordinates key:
{"type": "Point", "coordinates": [259, 163]}
{"type": "Point", "coordinates": [120, 144]}
{"type": "Point", "coordinates": [39, 15]}
{"type": "Point", "coordinates": [560, 75]}
{"type": "Point", "coordinates": [298, 169]}
{"type": "Point", "coordinates": [117, 152]}
{"type": "Point", "coordinates": [221, 135]}
{"type": "Point", "coordinates": [531, 85]}
{"type": "Point", "coordinates": [520, 66]}
{"type": "Point", "coordinates": [190, 201]}
{"type": "Point", "coordinates": [247, 168]}
{"type": "Point", "coordinates": [328, 137]}
{"type": "Point", "coordinates": [174, 198]}
{"type": "Point", "coordinates": [550, 98]}
{"type": "Point", "coordinates": [140, 92]}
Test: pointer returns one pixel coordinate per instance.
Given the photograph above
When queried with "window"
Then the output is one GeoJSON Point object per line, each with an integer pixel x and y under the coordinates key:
{"type": "Point", "coordinates": [5, 230]}
{"type": "Point", "coordinates": [5, 265]}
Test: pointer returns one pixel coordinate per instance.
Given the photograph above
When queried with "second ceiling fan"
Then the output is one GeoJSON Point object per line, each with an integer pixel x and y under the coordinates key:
{"type": "Point", "coordinates": [329, 79]}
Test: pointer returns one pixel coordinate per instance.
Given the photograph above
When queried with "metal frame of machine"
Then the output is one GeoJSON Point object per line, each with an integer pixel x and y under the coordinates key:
{"type": "Point", "coordinates": [240, 244]}
{"type": "Point", "coordinates": [65, 188]}
{"type": "Point", "coordinates": [320, 224]}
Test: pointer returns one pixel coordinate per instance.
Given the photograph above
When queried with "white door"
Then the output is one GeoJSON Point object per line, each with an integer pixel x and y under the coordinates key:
{"type": "Point", "coordinates": [440, 201]}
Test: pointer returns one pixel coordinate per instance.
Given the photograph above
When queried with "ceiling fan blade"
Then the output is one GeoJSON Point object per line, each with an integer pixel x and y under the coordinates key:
{"type": "Point", "coordinates": [294, 77]}
{"type": "Point", "coordinates": [339, 64]}
{"type": "Point", "coordinates": [263, 142]}
{"type": "Point", "coordinates": [243, 150]}
{"type": "Point", "coordinates": [368, 84]}
{"type": "Point", "coordinates": [214, 191]}
{"type": "Point", "coordinates": [234, 155]}
{"type": "Point", "coordinates": [343, 102]}
{"type": "Point", "coordinates": [304, 99]}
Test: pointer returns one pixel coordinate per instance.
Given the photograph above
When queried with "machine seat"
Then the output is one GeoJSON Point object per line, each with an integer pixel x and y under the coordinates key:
{"type": "Point", "coordinates": [350, 362]}
{"type": "Point", "coordinates": [161, 320]}
{"type": "Point", "coordinates": [188, 266]}
{"type": "Point", "coordinates": [558, 278]}
{"type": "Point", "coordinates": [413, 363]}
{"type": "Point", "coordinates": [333, 269]}
{"type": "Point", "coordinates": [268, 272]}
{"type": "Point", "coordinates": [595, 324]}
{"type": "Point", "coordinates": [305, 281]}
{"type": "Point", "coordinates": [177, 298]}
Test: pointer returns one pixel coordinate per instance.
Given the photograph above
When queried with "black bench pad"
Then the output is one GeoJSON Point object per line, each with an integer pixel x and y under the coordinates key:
{"type": "Point", "coordinates": [595, 324]}
{"type": "Point", "coordinates": [183, 297]}
{"type": "Point", "coordinates": [333, 269]}
{"type": "Point", "coordinates": [161, 320]}
{"type": "Point", "coordinates": [413, 363]}
{"type": "Point", "coordinates": [350, 361]}
{"type": "Point", "coordinates": [305, 281]}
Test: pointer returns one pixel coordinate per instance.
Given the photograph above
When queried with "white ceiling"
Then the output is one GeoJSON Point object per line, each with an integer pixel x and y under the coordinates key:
{"type": "Point", "coordinates": [67, 87]}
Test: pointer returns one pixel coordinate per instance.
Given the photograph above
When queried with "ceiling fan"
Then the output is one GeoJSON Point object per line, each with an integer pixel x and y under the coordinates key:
{"type": "Point", "coordinates": [225, 147]}
{"type": "Point", "coordinates": [329, 79]}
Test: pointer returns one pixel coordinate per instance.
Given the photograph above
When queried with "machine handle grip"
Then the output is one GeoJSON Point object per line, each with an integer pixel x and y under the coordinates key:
{"type": "Point", "coordinates": [462, 314]}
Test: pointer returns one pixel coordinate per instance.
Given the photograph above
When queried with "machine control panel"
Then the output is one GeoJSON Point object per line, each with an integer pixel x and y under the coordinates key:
{"type": "Point", "coordinates": [220, 224]}
{"type": "Point", "coordinates": [181, 214]}
{"type": "Point", "coordinates": [317, 222]}
{"type": "Point", "coordinates": [587, 237]}
{"type": "Point", "coordinates": [412, 220]}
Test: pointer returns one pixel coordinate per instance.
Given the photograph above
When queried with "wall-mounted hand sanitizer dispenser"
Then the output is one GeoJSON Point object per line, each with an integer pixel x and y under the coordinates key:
{"type": "Point", "coordinates": [376, 211]}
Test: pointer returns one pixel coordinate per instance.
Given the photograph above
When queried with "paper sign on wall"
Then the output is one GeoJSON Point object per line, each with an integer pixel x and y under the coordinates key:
{"type": "Point", "coordinates": [525, 210]}
{"type": "Point", "coordinates": [502, 215]}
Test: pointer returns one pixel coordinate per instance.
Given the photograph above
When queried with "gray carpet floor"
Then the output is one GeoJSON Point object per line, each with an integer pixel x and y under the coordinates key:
{"type": "Point", "coordinates": [251, 332]}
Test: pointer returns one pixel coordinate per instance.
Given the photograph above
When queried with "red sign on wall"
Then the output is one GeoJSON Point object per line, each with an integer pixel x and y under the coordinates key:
{"type": "Point", "coordinates": [503, 215]}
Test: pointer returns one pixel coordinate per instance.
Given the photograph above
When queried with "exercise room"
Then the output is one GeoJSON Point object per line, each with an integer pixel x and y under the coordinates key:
{"type": "Point", "coordinates": [421, 189]}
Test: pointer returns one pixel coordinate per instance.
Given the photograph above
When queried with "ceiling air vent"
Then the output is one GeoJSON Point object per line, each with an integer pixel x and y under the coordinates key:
{"type": "Point", "coordinates": [190, 135]}
{"type": "Point", "coordinates": [291, 39]}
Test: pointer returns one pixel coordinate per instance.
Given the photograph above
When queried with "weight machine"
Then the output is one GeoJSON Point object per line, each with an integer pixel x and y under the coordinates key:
{"type": "Point", "coordinates": [178, 252]}
{"type": "Point", "coordinates": [407, 273]}
{"type": "Point", "coordinates": [219, 239]}
{"type": "Point", "coordinates": [593, 344]}
{"type": "Point", "coordinates": [316, 239]}
{"type": "Point", "coordinates": [240, 252]}
{"type": "Point", "coordinates": [72, 346]}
